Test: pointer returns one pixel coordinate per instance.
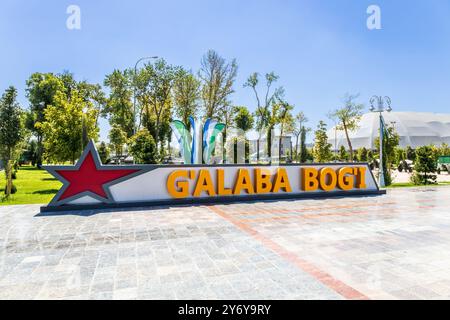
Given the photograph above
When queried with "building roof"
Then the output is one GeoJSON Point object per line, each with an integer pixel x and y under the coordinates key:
{"type": "Point", "coordinates": [415, 129]}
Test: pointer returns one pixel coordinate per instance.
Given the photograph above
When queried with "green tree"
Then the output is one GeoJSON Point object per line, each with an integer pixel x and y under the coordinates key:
{"type": "Point", "coordinates": [362, 155]}
{"type": "Point", "coordinates": [304, 152]}
{"type": "Point", "coordinates": [444, 150]}
{"type": "Point", "coordinates": [265, 117]}
{"type": "Point", "coordinates": [391, 140]}
{"type": "Point", "coordinates": [41, 92]}
{"type": "Point", "coordinates": [243, 119]}
{"type": "Point", "coordinates": [217, 77]}
{"type": "Point", "coordinates": [142, 147]}
{"type": "Point", "coordinates": [410, 153]}
{"type": "Point", "coordinates": [11, 134]}
{"type": "Point", "coordinates": [68, 124]}
{"type": "Point", "coordinates": [343, 155]}
{"type": "Point", "coordinates": [322, 149]}
{"type": "Point", "coordinates": [299, 123]}
{"type": "Point", "coordinates": [119, 106]}
{"type": "Point", "coordinates": [348, 117]}
{"type": "Point", "coordinates": [285, 121]}
{"type": "Point", "coordinates": [154, 93]}
{"type": "Point", "coordinates": [186, 93]}
{"type": "Point", "coordinates": [103, 152]}
{"type": "Point", "coordinates": [89, 93]}
{"type": "Point", "coordinates": [399, 155]}
{"type": "Point", "coordinates": [117, 138]}
{"type": "Point", "coordinates": [30, 153]}
{"type": "Point", "coordinates": [425, 166]}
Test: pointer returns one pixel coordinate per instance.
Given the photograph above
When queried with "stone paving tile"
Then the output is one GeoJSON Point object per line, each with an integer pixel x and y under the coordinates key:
{"type": "Point", "coordinates": [390, 247]}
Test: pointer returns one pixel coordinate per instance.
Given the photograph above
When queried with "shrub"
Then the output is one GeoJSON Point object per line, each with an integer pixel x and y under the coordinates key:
{"type": "Point", "coordinates": [103, 152]}
{"type": "Point", "coordinates": [142, 147]}
{"type": "Point", "coordinates": [425, 166]}
{"type": "Point", "coordinates": [362, 155]}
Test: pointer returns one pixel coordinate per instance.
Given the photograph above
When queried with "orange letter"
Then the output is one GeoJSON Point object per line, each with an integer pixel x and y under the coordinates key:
{"type": "Point", "coordinates": [243, 182]}
{"type": "Point", "coordinates": [309, 179]}
{"type": "Point", "coordinates": [345, 179]}
{"type": "Point", "coordinates": [361, 178]}
{"type": "Point", "coordinates": [221, 190]}
{"type": "Point", "coordinates": [281, 181]}
{"type": "Point", "coordinates": [204, 183]}
{"type": "Point", "coordinates": [262, 181]}
{"type": "Point", "coordinates": [178, 189]}
{"type": "Point", "coordinates": [327, 184]}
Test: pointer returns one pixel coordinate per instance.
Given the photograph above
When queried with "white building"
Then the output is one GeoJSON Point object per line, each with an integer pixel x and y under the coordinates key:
{"type": "Point", "coordinates": [414, 128]}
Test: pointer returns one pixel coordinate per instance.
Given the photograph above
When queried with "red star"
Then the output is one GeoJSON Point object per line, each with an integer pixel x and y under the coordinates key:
{"type": "Point", "coordinates": [90, 178]}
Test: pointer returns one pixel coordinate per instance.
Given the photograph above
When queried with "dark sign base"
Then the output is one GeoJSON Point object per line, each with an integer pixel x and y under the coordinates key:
{"type": "Point", "coordinates": [212, 200]}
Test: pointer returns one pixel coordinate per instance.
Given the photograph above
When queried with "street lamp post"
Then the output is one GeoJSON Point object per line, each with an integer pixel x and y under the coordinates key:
{"type": "Point", "coordinates": [134, 90]}
{"type": "Point", "coordinates": [380, 109]}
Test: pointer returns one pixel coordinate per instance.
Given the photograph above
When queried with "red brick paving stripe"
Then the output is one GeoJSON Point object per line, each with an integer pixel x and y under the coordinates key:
{"type": "Point", "coordinates": [275, 209]}
{"type": "Point", "coordinates": [328, 280]}
{"type": "Point", "coordinates": [319, 216]}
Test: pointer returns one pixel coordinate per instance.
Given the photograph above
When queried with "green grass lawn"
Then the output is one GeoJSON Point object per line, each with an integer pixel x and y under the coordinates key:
{"type": "Point", "coordinates": [410, 184]}
{"type": "Point", "coordinates": [33, 186]}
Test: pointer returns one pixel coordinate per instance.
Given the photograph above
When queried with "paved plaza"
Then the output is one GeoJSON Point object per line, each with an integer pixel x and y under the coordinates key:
{"type": "Point", "coordinates": [395, 246]}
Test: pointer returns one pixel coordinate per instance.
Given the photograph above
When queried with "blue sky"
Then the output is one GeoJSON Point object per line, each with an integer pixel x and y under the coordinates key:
{"type": "Point", "coordinates": [321, 49]}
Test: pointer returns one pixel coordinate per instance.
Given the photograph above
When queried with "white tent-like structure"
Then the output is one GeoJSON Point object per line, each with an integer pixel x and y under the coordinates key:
{"type": "Point", "coordinates": [415, 129]}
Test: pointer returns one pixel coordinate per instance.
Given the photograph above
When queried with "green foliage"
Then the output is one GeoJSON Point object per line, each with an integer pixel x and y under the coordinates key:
{"type": "Point", "coordinates": [30, 153]}
{"type": "Point", "coordinates": [299, 132]}
{"type": "Point", "coordinates": [11, 134]}
{"type": "Point", "coordinates": [391, 139]}
{"type": "Point", "coordinates": [243, 119]}
{"type": "Point", "coordinates": [400, 155]}
{"type": "Point", "coordinates": [343, 155]}
{"type": "Point", "coordinates": [154, 85]}
{"type": "Point", "coordinates": [119, 106]}
{"type": "Point", "coordinates": [305, 154]}
{"type": "Point", "coordinates": [217, 77]}
{"type": "Point", "coordinates": [65, 122]}
{"type": "Point", "coordinates": [362, 155]}
{"type": "Point", "coordinates": [41, 92]}
{"type": "Point", "coordinates": [322, 149]}
{"type": "Point", "coordinates": [10, 123]}
{"type": "Point", "coordinates": [142, 147]}
{"type": "Point", "coordinates": [443, 150]}
{"type": "Point", "coordinates": [410, 153]}
{"type": "Point", "coordinates": [103, 152]}
{"type": "Point", "coordinates": [266, 109]}
{"type": "Point", "coordinates": [424, 166]}
{"type": "Point", "coordinates": [118, 138]}
{"type": "Point", "coordinates": [186, 94]}
{"type": "Point", "coordinates": [348, 117]}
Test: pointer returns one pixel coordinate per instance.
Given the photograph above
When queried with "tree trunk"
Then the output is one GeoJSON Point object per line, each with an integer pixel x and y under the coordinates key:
{"type": "Point", "coordinates": [8, 172]}
{"type": "Point", "coordinates": [39, 151]}
{"type": "Point", "coordinates": [257, 150]}
{"type": "Point", "coordinates": [349, 143]}
{"type": "Point", "coordinates": [296, 147]}
{"type": "Point", "coordinates": [269, 143]}
{"type": "Point", "coordinates": [224, 150]}
{"type": "Point", "coordinates": [280, 141]}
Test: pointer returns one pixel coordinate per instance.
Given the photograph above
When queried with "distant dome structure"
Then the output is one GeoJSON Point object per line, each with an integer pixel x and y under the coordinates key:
{"type": "Point", "coordinates": [414, 128]}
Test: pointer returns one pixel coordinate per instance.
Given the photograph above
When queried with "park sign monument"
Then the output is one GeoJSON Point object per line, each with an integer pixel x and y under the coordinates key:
{"type": "Point", "coordinates": [91, 185]}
